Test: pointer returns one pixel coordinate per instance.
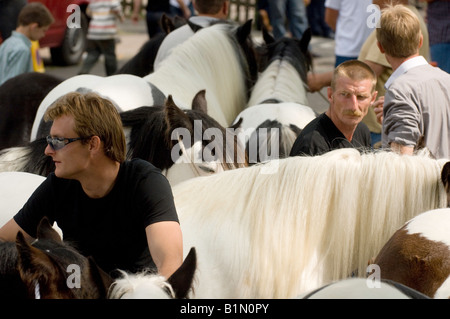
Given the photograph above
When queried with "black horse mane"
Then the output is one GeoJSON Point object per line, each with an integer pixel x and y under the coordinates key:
{"type": "Point", "coordinates": [151, 131]}
{"type": "Point", "coordinates": [289, 49]}
{"type": "Point", "coordinates": [142, 63]}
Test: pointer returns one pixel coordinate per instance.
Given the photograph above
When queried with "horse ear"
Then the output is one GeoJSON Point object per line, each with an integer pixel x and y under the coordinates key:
{"type": "Point", "coordinates": [167, 24]}
{"type": "Point", "coordinates": [34, 266]}
{"type": "Point", "coordinates": [306, 38]}
{"type": "Point", "coordinates": [199, 102]}
{"type": "Point", "coordinates": [445, 177]}
{"type": "Point", "coordinates": [238, 124]}
{"type": "Point", "coordinates": [102, 281]}
{"type": "Point", "coordinates": [175, 118]}
{"type": "Point", "coordinates": [181, 280]}
{"type": "Point", "coordinates": [244, 31]}
{"type": "Point", "coordinates": [267, 37]}
{"type": "Point", "coordinates": [46, 231]}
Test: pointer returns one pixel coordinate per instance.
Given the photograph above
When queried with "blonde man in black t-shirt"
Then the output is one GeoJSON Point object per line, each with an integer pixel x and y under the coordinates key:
{"type": "Point", "coordinates": [116, 211]}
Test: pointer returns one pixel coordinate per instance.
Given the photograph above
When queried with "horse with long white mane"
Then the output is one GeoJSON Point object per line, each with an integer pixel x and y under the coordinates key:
{"type": "Point", "coordinates": [219, 59]}
{"type": "Point", "coordinates": [284, 228]}
{"type": "Point", "coordinates": [278, 104]}
{"type": "Point", "coordinates": [292, 225]}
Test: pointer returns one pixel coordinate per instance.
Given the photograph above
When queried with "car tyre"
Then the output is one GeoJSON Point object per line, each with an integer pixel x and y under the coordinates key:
{"type": "Point", "coordinates": [73, 46]}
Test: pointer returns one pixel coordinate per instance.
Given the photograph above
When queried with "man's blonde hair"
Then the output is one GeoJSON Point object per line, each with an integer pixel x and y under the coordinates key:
{"type": "Point", "coordinates": [94, 116]}
{"type": "Point", "coordinates": [355, 70]}
{"type": "Point", "coordinates": [399, 33]}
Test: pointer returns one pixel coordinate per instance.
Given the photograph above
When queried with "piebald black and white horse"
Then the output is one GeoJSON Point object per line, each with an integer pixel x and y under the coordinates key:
{"type": "Point", "coordinates": [49, 269]}
{"type": "Point", "coordinates": [278, 106]}
{"type": "Point", "coordinates": [219, 59]}
{"type": "Point", "coordinates": [153, 134]}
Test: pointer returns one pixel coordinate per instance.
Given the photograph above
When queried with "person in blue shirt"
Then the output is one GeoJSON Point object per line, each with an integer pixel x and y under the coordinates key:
{"type": "Point", "coordinates": [15, 53]}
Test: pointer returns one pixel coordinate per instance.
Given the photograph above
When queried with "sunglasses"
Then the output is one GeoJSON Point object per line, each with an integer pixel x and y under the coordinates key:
{"type": "Point", "coordinates": [57, 143]}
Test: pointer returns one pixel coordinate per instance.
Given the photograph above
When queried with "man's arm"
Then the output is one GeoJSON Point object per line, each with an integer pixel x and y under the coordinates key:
{"type": "Point", "coordinates": [331, 16]}
{"type": "Point", "coordinates": [165, 241]}
{"type": "Point", "coordinates": [402, 149]}
{"type": "Point", "coordinates": [8, 232]}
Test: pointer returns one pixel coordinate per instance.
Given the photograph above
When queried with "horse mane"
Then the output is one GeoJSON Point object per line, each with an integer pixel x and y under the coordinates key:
{"type": "Point", "coordinates": [150, 135]}
{"type": "Point", "coordinates": [201, 62]}
{"type": "Point", "coordinates": [284, 76]}
{"type": "Point", "coordinates": [29, 159]}
{"type": "Point", "coordinates": [142, 285]}
{"type": "Point", "coordinates": [142, 63]}
{"type": "Point", "coordinates": [329, 215]}
{"type": "Point", "coordinates": [286, 138]}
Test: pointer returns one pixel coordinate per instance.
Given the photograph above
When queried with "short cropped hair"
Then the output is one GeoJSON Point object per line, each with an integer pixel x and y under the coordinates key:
{"type": "Point", "coordinates": [399, 32]}
{"type": "Point", "coordinates": [35, 12]}
{"type": "Point", "coordinates": [355, 70]}
{"type": "Point", "coordinates": [94, 116]}
{"type": "Point", "coordinates": [209, 6]}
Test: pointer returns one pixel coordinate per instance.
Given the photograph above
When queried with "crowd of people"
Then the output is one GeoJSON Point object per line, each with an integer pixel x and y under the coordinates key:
{"type": "Point", "coordinates": [383, 91]}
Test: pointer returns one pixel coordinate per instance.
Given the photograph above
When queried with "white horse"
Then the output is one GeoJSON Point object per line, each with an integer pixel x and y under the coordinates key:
{"type": "Point", "coordinates": [312, 221]}
{"type": "Point", "coordinates": [360, 288]}
{"type": "Point", "coordinates": [15, 189]}
{"type": "Point", "coordinates": [217, 59]}
{"type": "Point", "coordinates": [278, 100]}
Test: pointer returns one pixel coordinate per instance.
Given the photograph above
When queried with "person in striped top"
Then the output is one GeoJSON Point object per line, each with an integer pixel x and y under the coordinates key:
{"type": "Point", "coordinates": [101, 34]}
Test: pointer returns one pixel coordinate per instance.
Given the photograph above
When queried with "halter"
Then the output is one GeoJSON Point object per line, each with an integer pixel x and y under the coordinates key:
{"type": "Point", "coordinates": [37, 291]}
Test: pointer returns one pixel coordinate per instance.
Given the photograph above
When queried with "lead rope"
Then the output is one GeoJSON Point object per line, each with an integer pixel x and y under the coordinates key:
{"type": "Point", "coordinates": [37, 292]}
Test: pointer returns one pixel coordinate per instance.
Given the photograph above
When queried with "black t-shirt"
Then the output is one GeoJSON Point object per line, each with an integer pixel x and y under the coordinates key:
{"type": "Point", "coordinates": [110, 229]}
{"type": "Point", "coordinates": [321, 135]}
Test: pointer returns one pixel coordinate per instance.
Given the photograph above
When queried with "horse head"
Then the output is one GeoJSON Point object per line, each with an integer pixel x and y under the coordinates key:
{"type": "Point", "coordinates": [153, 286]}
{"type": "Point", "coordinates": [52, 269]}
{"type": "Point", "coordinates": [183, 143]}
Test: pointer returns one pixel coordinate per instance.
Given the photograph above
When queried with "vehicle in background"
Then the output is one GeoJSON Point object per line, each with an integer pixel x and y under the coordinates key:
{"type": "Point", "coordinates": [66, 37]}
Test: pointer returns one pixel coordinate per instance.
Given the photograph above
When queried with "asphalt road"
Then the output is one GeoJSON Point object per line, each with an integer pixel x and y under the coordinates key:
{"type": "Point", "coordinates": [133, 35]}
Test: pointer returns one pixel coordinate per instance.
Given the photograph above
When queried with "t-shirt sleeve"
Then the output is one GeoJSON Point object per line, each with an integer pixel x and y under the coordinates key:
{"type": "Point", "coordinates": [333, 4]}
{"type": "Point", "coordinates": [157, 199]}
{"type": "Point", "coordinates": [36, 207]}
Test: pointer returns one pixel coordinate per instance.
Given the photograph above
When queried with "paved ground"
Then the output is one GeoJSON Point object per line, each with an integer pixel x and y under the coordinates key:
{"type": "Point", "coordinates": [133, 35]}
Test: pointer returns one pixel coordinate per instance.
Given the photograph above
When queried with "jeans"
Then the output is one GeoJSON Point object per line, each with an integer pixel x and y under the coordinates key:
{"type": "Point", "coordinates": [440, 53]}
{"type": "Point", "coordinates": [174, 11]}
{"type": "Point", "coordinates": [340, 59]}
{"type": "Point", "coordinates": [292, 10]}
{"type": "Point", "coordinates": [316, 18]}
{"type": "Point", "coordinates": [94, 49]}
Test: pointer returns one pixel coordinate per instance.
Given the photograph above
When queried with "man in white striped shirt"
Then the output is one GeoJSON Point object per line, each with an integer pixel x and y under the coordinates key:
{"type": "Point", "coordinates": [101, 34]}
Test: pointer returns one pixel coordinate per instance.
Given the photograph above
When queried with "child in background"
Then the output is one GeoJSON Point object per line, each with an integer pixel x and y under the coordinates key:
{"type": "Point", "coordinates": [15, 52]}
{"type": "Point", "coordinates": [101, 36]}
